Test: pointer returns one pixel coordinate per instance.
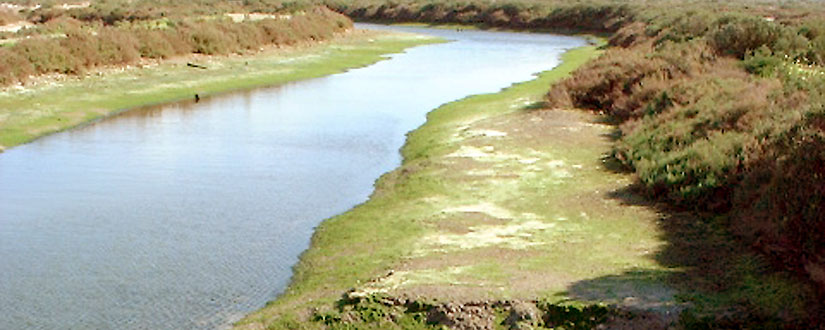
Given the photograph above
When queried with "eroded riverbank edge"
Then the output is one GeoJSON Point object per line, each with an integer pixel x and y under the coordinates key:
{"type": "Point", "coordinates": [498, 202]}
{"type": "Point", "coordinates": [59, 103]}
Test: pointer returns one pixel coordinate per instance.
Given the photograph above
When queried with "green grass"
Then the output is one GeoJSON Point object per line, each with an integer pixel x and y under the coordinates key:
{"type": "Point", "coordinates": [26, 114]}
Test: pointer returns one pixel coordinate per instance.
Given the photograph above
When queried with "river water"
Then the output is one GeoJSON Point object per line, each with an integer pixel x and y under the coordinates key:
{"type": "Point", "coordinates": [189, 215]}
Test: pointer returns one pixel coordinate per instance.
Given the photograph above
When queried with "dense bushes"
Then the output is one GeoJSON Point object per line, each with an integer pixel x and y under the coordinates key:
{"type": "Point", "coordinates": [66, 45]}
{"type": "Point", "coordinates": [693, 145]}
{"type": "Point", "coordinates": [113, 11]}
{"type": "Point", "coordinates": [606, 17]}
{"type": "Point", "coordinates": [46, 56]}
{"type": "Point", "coordinates": [722, 112]}
{"type": "Point", "coordinates": [159, 43]}
{"type": "Point", "coordinates": [780, 206]}
{"type": "Point", "coordinates": [13, 66]}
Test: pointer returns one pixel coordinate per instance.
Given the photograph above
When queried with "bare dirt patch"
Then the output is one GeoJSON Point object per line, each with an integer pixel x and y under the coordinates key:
{"type": "Point", "coordinates": [460, 224]}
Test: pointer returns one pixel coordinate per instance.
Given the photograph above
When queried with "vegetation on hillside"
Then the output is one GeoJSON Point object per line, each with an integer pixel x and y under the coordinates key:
{"type": "Point", "coordinates": [74, 40]}
{"type": "Point", "coordinates": [722, 112]}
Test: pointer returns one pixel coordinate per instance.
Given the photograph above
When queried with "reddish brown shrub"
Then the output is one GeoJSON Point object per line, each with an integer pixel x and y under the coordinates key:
{"type": "Point", "coordinates": [67, 45]}
{"type": "Point", "coordinates": [207, 38]}
{"type": "Point", "coordinates": [117, 46]}
{"type": "Point", "coordinates": [606, 83]}
{"type": "Point", "coordinates": [277, 32]}
{"type": "Point", "coordinates": [47, 55]}
{"type": "Point", "coordinates": [83, 47]}
{"type": "Point", "coordinates": [780, 206]}
{"type": "Point", "coordinates": [13, 67]}
{"type": "Point", "coordinates": [154, 44]}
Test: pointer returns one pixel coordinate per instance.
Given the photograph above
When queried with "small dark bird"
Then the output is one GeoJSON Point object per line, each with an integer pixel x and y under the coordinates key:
{"type": "Point", "coordinates": [197, 98]}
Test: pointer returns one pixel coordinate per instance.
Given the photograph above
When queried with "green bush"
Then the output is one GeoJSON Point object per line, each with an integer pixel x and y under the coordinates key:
{"type": "Point", "coordinates": [737, 35]}
{"type": "Point", "coordinates": [762, 63]}
{"type": "Point", "coordinates": [722, 112]}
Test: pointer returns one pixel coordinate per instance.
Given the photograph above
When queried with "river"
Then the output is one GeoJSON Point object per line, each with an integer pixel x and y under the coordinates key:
{"type": "Point", "coordinates": [189, 215]}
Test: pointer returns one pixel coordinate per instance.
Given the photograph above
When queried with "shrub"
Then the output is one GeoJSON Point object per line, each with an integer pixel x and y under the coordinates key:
{"type": "Point", "coordinates": [47, 56]}
{"type": "Point", "coordinates": [606, 83]}
{"type": "Point", "coordinates": [780, 206]}
{"type": "Point", "coordinates": [277, 32]}
{"type": "Point", "coordinates": [69, 42]}
{"type": "Point", "coordinates": [739, 35]}
{"type": "Point", "coordinates": [246, 35]}
{"type": "Point", "coordinates": [83, 47]}
{"type": "Point", "coordinates": [13, 67]}
{"type": "Point", "coordinates": [704, 130]}
{"type": "Point", "coordinates": [116, 46]}
{"type": "Point", "coordinates": [155, 44]}
{"type": "Point", "coordinates": [816, 53]}
{"type": "Point", "coordinates": [206, 38]}
{"type": "Point", "coordinates": [762, 63]}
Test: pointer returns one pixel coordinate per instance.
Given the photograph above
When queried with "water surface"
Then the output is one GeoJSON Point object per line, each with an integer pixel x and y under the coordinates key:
{"type": "Point", "coordinates": [191, 214]}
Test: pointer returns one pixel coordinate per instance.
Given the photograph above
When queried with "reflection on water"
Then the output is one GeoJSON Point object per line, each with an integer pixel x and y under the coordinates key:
{"type": "Point", "coordinates": [189, 215]}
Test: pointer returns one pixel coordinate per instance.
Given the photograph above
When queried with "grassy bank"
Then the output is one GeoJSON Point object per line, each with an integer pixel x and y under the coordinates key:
{"type": "Point", "coordinates": [55, 105]}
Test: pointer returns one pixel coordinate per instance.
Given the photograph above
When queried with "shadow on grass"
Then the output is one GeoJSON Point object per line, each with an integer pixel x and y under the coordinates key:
{"type": "Point", "coordinates": [714, 280]}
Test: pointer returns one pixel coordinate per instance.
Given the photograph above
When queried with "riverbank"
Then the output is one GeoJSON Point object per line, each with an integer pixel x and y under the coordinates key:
{"type": "Point", "coordinates": [61, 102]}
{"type": "Point", "coordinates": [507, 212]}
{"type": "Point", "coordinates": [496, 201]}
